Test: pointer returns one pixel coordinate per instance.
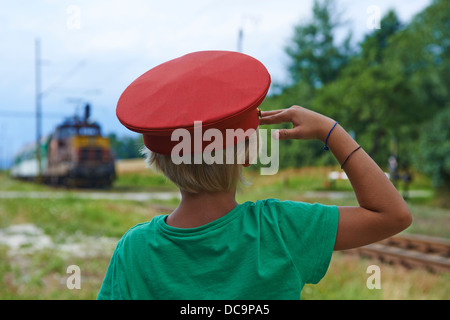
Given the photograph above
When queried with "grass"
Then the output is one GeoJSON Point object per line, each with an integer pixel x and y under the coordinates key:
{"type": "Point", "coordinates": [142, 181]}
{"type": "Point", "coordinates": [134, 176]}
{"type": "Point", "coordinates": [43, 275]}
{"type": "Point", "coordinates": [33, 273]}
{"type": "Point", "coordinates": [69, 215]}
{"type": "Point", "coordinates": [347, 276]}
{"type": "Point", "coordinates": [7, 184]}
{"type": "Point", "coordinates": [92, 228]}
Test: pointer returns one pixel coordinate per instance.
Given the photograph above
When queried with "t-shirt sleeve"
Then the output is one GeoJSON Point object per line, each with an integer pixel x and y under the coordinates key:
{"type": "Point", "coordinates": [110, 289]}
{"type": "Point", "coordinates": [309, 233]}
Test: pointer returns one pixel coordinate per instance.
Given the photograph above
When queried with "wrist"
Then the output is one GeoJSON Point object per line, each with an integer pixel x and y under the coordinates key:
{"type": "Point", "coordinates": [325, 147]}
{"type": "Point", "coordinates": [341, 144]}
{"type": "Point", "coordinates": [326, 129]}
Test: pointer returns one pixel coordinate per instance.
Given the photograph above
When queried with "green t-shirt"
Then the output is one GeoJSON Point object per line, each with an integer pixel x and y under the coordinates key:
{"type": "Point", "coordinates": [263, 250]}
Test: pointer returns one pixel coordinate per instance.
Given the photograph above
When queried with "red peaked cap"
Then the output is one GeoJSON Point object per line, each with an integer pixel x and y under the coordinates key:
{"type": "Point", "coordinates": [220, 88]}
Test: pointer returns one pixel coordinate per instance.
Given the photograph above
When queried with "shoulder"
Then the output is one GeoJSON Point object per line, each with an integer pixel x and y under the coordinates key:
{"type": "Point", "coordinates": [140, 231]}
{"type": "Point", "coordinates": [270, 209]}
{"type": "Point", "coordinates": [287, 211]}
{"type": "Point", "coordinates": [276, 205]}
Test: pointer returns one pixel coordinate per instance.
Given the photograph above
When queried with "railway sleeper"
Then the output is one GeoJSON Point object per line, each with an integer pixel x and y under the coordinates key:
{"type": "Point", "coordinates": [407, 258]}
{"type": "Point", "coordinates": [425, 244]}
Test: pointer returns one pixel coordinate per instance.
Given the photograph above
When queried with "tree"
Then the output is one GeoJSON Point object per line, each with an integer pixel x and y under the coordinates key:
{"type": "Point", "coordinates": [371, 96]}
{"type": "Point", "coordinates": [434, 156]}
{"type": "Point", "coordinates": [125, 147]}
{"type": "Point", "coordinates": [315, 58]}
{"type": "Point", "coordinates": [422, 50]}
{"type": "Point", "coordinates": [387, 91]}
{"type": "Point", "coordinates": [375, 43]}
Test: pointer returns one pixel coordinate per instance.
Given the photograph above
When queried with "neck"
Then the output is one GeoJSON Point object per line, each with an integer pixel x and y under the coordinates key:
{"type": "Point", "coordinates": [197, 209]}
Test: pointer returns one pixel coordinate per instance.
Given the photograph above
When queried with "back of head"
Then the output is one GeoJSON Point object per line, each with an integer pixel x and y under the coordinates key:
{"type": "Point", "coordinates": [205, 177]}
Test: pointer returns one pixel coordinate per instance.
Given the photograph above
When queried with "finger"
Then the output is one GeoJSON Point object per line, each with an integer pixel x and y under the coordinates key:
{"type": "Point", "coordinates": [284, 134]}
{"type": "Point", "coordinates": [270, 112]}
{"type": "Point", "coordinates": [275, 119]}
{"type": "Point", "coordinates": [272, 120]}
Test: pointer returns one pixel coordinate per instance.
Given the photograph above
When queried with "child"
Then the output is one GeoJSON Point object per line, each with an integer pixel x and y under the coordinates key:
{"type": "Point", "coordinates": [211, 247]}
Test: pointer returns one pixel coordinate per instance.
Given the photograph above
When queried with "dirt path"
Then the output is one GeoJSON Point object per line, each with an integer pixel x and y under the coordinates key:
{"type": "Point", "coordinates": [136, 196]}
{"type": "Point", "coordinates": [164, 195]}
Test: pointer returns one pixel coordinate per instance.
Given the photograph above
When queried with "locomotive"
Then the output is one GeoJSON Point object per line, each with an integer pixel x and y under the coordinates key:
{"type": "Point", "coordinates": [75, 154]}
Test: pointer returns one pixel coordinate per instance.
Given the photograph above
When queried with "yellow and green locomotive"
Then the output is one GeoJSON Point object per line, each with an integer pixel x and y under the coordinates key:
{"type": "Point", "coordinates": [75, 154]}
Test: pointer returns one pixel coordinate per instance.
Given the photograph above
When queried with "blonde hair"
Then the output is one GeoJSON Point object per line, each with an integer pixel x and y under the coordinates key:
{"type": "Point", "coordinates": [197, 178]}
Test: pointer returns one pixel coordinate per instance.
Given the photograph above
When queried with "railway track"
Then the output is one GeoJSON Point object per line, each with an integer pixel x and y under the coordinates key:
{"type": "Point", "coordinates": [410, 251]}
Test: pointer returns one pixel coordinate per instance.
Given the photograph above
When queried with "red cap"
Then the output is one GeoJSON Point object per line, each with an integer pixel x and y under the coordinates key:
{"type": "Point", "coordinates": [222, 89]}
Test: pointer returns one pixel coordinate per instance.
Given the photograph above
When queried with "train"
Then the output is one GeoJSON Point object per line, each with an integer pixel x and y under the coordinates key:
{"type": "Point", "coordinates": [75, 154]}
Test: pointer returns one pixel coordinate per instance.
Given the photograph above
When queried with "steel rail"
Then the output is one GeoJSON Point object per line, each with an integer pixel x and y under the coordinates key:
{"type": "Point", "coordinates": [410, 251]}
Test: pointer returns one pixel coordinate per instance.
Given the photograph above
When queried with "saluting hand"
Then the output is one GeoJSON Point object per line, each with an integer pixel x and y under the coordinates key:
{"type": "Point", "coordinates": [307, 124]}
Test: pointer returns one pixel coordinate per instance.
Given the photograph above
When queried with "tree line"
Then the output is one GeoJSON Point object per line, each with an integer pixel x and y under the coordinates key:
{"type": "Point", "coordinates": [390, 91]}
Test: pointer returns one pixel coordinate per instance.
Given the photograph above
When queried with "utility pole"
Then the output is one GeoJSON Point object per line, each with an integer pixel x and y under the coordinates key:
{"type": "Point", "coordinates": [240, 38]}
{"type": "Point", "coordinates": [38, 107]}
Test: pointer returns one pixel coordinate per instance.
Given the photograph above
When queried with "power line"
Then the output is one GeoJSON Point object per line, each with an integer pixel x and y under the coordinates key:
{"type": "Point", "coordinates": [38, 63]}
{"type": "Point", "coordinates": [29, 114]}
{"type": "Point", "coordinates": [68, 75]}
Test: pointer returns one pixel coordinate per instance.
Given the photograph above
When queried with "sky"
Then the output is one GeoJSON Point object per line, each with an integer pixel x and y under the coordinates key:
{"type": "Point", "coordinates": [92, 50]}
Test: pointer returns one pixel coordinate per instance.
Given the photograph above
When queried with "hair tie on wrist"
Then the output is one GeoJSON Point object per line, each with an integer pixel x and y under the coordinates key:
{"type": "Point", "coordinates": [325, 147]}
{"type": "Point", "coordinates": [342, 166]}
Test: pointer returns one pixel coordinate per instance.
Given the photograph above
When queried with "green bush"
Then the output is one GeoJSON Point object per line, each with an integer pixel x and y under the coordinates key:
{"type": "Point", "coordinates": [434, 146]}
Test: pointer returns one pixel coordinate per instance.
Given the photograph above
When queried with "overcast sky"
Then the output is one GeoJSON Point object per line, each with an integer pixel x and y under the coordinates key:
{"type": "Point", "coordinates": [91, 50]}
